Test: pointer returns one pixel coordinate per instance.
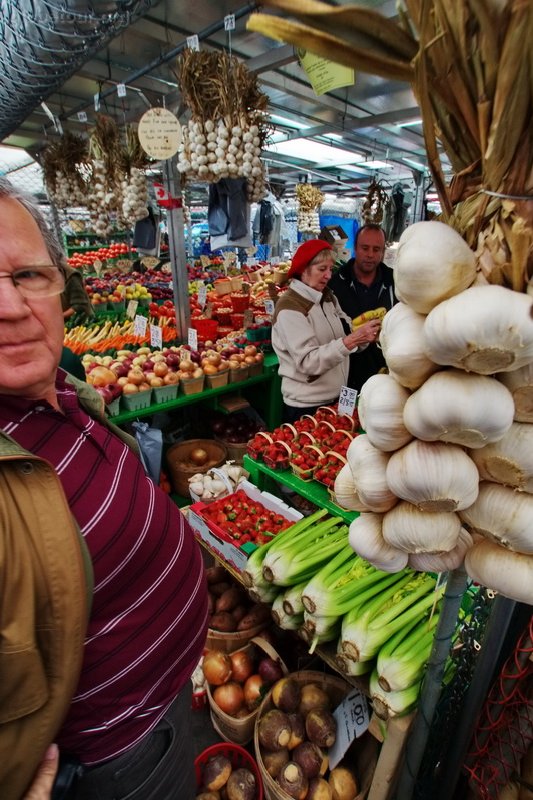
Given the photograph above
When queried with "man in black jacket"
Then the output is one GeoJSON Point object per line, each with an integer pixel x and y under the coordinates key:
{"type": "Point", "coordinates": [363, 284]}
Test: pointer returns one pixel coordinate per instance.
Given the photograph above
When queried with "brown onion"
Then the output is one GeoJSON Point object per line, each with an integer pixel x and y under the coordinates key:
{"type": "Point", "coordinates": [217, 667]}
{"type": "Point", "coordinates": [241, 666]}
{"type": "Point", "coordinates": [229, 698]}
{"type": "Point", "coordinates": [253, 693]}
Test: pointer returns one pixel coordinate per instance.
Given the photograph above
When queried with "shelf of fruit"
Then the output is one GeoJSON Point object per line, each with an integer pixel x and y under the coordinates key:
{"type": "Point", "coordinates": [86, 255]}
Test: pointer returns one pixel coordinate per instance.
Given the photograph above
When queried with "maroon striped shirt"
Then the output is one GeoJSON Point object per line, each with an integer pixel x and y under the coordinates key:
{"type": "Point", "coordinates": [148, 619]}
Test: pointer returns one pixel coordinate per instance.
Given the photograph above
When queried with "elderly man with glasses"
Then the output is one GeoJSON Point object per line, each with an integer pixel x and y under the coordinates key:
{"type": "Point", "coordinates": [103, 612]}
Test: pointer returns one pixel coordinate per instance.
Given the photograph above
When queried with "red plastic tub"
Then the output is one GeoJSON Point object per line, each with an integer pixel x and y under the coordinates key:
{"type": "Point", "coordinates": [238, 756]}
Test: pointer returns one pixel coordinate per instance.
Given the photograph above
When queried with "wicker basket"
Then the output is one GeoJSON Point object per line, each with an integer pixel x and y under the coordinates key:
{"type": "Point", "coordinates": [181, 468]}
{"type": "Point", "coordinates": [236, 450]}
{"type": "Point", "coordinates": [238, 756]}
{"type": "Point", "coordinates": [361, 757]}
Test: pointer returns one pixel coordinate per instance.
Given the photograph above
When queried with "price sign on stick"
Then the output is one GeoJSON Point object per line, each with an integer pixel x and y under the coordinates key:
{"type": "Point", "coordinates": [269, 306]}
{"type": "Point", "coordinates": [352, 721]}
{"type": "Point", "coordinates": [139, 325]}
{"type": "Point", "coordinates": [131, 310]}
{"type": "Point", "coordinates": [347, 399]}
{"type": "Point", "coordinates": [97, 264]}
{"type": "Point", "coordinates": [192, 338]}
{"type": "Point", "coordinates": [156, 336]}
{"type": "Point", "coordinates": [205, 261]}
{"type": "Point", "coordinates": [202, 294]}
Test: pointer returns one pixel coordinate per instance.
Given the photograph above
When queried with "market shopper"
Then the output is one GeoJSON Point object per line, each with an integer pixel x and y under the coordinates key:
{"type": "Point", "coordinates": [104, 601]}
{"type": "Point", "coordinates": [363, 284]}
{"type": "Point", "coordinates": [74, 297]}
{"type": "Point", "coordinates": [311, 335]}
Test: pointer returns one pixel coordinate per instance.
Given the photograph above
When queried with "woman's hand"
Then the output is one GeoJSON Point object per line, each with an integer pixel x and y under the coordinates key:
{"type": "Point", "coordinates": [364, 334]}
{"type": "Point", "coordinates": [41, 788]}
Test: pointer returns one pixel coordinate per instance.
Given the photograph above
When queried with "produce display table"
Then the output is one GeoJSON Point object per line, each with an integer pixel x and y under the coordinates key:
{"type": "Point", "coordinates": [261, 476]}
{"type": "Point", "coordinates": [392, 734]}
{"type": "Point", "coordinates": [267, 402]}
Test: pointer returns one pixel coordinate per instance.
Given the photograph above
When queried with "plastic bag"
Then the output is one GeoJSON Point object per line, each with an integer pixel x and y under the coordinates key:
{"type": "Point", "coordinates": [150, 441]}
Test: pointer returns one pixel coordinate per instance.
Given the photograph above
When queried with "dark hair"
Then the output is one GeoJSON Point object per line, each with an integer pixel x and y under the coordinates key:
{"type": "Point", "coordinates": [370, 226]}
{"type": "Point", "coordinates": [55, 251]}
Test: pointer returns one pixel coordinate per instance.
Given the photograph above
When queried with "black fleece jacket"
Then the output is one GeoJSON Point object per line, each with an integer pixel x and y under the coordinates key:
{"type": "Point", "coordinates": [355, 298]}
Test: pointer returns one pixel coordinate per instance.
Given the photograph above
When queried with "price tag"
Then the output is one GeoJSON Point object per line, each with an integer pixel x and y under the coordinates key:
{"type": "Point", "coordinates": [205, 261]}
{"type": "Point", "coordinates": [97, 101]}
{"type": "Point", "coordinates": [193, 43]}
{"type": "Point", "coordinates": [248, 318]}
{"type": "Point", "coordinates": [202, 294]}
{"type": "Point", "coordinates": [208, 311]}
{"type": "Point", "coordinates": [82, 116]}
{"type": "Point", "coordinates": [245, 288]}
{"type": "Point", "coordinates": [139, 325]}
{"type": "Point", "coordinates": [274, 261]}
{"type": "Point", "coordinates": [121, 89]}
{"type": "Point", "coordinates": [269, 307]}
{"type": "Point", "coordinates": [131, 309]}
{"type": "Point", "coordinates": [156, 336]}
{"type": "Point", "coordinates": [150, 262]}
{"type": "Point", "coordinates": [229, 22]}
{"type": "Point", "coordinates": [125, 264]}
{"type": "Point", "coordinates": [347, 400]}
{"type": "Point", "coordinates": [192, 338]}
{"type": "Point", "coordinates": [250, 262]}
{"type": "Point", "coordinates": [97, 264]}
{"type": "Point", "coordinates": [352, 721]}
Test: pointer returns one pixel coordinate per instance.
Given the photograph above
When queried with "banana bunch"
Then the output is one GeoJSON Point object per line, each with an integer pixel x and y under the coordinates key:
{"type": "Point", "coordinates": [375, 313]}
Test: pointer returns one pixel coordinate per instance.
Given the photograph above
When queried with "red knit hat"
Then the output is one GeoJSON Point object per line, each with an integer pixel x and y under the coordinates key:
{"type": "Point", "coordinates": [305, 253]}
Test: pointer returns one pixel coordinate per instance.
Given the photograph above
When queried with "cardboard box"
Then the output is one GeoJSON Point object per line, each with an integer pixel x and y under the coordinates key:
{"type": "Point", "coordinates": [334, 235]}
{"type": "Point", "coordinates": [219, 541]}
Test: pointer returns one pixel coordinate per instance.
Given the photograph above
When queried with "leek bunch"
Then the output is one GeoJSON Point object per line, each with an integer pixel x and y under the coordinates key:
{"type": "Point", "coordinates": [367, 627]}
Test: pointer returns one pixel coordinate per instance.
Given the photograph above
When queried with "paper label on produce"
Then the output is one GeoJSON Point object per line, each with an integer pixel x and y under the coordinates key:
{"type": "Point", "coordinates": [347, 400]}
{"type": "Point", "coordinates": [192, 338]}
{"type": "Point", "coordinates": [149, 262]}
{"type": "Point", "coordinates": [269, 306]}
{"type": "Point", "coordinates": [208, 311]}
{"type": "Point", "coordinates": [139, 325]}
{"type": "Point", "coordinates": [131, 309]}
{"type": "Point", "coordinates": [156, 336]}
{"type": "Point", "coordinates": [245, 288]}
{"type": "Point", "coordinates": [352, 721]}
{"type": "Point", "coordinates": [202, 294]}
{"type": "Point", "coordinates": [97, 264]}
{"type": "Point", "coordinates": [205, 261]}
{"type": "Point", "coordinates": [248, 318]}
{"type": "Point", "coordinates": [124, 264]}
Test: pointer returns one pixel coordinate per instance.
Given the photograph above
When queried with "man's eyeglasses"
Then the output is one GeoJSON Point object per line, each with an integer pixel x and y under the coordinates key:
{"type": "Point", "coordinates": [34, 282]}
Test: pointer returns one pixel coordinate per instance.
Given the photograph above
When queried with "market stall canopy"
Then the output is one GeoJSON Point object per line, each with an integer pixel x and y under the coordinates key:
{"type": "Point", "coordinates": [58, 65]}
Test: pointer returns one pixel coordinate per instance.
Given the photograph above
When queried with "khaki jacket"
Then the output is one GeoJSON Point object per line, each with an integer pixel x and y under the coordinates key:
{"type": "Point", "coordinates": [46, 586]}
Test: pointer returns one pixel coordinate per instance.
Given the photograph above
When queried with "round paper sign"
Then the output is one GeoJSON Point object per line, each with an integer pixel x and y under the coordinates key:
{"type": "Point", "coordinates": [159, 133]}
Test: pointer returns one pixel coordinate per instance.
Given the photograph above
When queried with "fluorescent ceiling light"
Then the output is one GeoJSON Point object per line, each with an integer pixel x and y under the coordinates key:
{"type": "Point", "coordinates": [410, 122]}
{"type": "Point", "coordinates": [376, 164]}
{"type": "Point", "coordinates": [309, 150]}
{"type": "Point", "coordinates": [415, 164]}
{"type": "Point", "coordinates": [289, 123]}
{"type": "Point", "coordinates": [336, 136]}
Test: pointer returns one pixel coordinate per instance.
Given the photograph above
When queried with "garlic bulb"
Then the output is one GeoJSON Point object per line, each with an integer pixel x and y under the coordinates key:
{"type": "Point", "coordinates": [401, 342]}
{"type": "Point", "coordinates": [366, 539]}
{"type": "Point", "coordinates": [459, 407]}
{"type": "Point", "coordinates": [503, 515]}
{"type": "Point", "coordinates": [415, 531]}
{"type": "Point", "coordinates": [520, 384]}
{"type": "Point", "coordinates": [368, 466]}
{"type": "Point", "coordinates": [346, 495]}
{"type": "Point", "coordinates": [433, 262]}
{"type": "Point", "coordinates": [442, 562]}
{"type": "Point", "coordinates": [485, 329]}
{"type": "Point", "coordinates": [508, 573]}
{"type": "Point", "coordinates": [433, 476]}
{"type": "Point", "coordinates": [380, 407]}
{"type": "Point", "coordinates": [510, 460]}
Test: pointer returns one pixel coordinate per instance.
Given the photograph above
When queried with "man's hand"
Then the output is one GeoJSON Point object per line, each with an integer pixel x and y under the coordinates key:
{"type": "Point", "coordinates": [41, 788]}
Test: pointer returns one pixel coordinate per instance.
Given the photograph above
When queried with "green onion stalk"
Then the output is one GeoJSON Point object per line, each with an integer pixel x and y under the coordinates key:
{"type": "Point", "coordinates": [367, 627]}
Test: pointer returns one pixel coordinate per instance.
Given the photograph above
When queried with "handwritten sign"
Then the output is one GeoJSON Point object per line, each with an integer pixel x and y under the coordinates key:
{"type": "Point", "coordinates": [229, 22]}
{"type": "Point", "coordinates": [347, 400]}
{"type": "Point", "coordinates": [131, 309]}
{"type": "Point", "coordinates": [124, 264]}
{"type": "Point", "coordinates": [325, 75]}
{"type": "Point", "coordinates": [269, 306]}
{"type": "Point", "coordinates": [202, 295]}
{"type": "Point", "coordinates": [149, 262]}
{"type": "Point", "coordinates": [159, 133]}
{"type": "Point", "coordinates": [352, 721]}
{"type": "Point", "coordinates": [156, 336]}
{"type": "Point", "coordinates": [192, 338]}
{"type": "Point", "coordinates": [139, 325]}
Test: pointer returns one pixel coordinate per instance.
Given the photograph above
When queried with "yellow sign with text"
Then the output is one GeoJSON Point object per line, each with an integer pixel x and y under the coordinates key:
{"type": "Point", "coordinates": [325, 75]}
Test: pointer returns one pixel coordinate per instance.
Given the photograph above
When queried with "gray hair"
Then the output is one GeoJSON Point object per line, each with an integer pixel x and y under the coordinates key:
{"type": "Point", "coordinates": [55, 251]}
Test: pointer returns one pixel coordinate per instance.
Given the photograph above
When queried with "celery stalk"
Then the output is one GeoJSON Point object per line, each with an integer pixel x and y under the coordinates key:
{"type": "Point", "coordinates": [288, 622]}
{"type": "Point", "coordinates": [292, 598]}
{"type": "Point", "coordinates": [301, 559]}
{"type": "Point", "coordinates": [402, 660]}
{"type": "Point", "coordinates": [392, 704]}
{"type": "Point", "coordinates": [369, 626]}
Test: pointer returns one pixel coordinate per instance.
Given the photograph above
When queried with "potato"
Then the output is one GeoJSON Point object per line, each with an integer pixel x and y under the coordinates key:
{"type": "Point", "coordinates": [259, 614]}
{"type": "Point", "coordinates": [223, 622]}
{"type": "Point", "coordinates": [229, 599]}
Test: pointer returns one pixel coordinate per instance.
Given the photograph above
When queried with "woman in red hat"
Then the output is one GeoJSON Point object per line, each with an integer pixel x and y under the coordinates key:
{"type": "Point", "coordinates": [311, 334]}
